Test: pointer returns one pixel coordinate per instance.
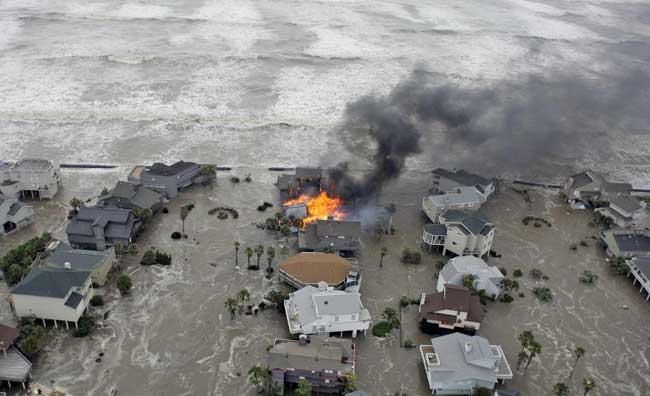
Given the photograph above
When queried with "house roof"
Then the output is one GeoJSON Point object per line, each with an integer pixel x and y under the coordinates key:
{"type": "Point", "coordinates": [117, 223]}
{"type": "Point", "coordinates": [317, 267]}
{"type": "Point", "coordinates": [338, 234]}
{"type": "Point", "coordinates": [632, 242]}
{"type": "Point", "coordinates": [320, 353]}
{"type": "Point", "coordinates": [626, 203]}
{"type": "Point", "coordinates": [460, 266]}
{"type": "Point", "coordinates": [309, 172]}
{"type": "Point", "coordinates": [473, 221]}
{"type": "Point", "coordinates": [462, 177]}
{"type": "Point", "coordinates": [462, 358]}
{"type": "Point", "coordinates": [52, 283]}
{"type": "Point", "coordinates": [79, 259]}
{"type": "Point", "coordinates": [435, 229]}
{"type": "Point", "coordinates": [137, 194]}
{"type": "Point", "coordinates": [616, 188]}
{"type": "Point", "coordinates": [461, 195]}
{"type": "Point", "coordinates": [7, 336]}
{"type": "Point", "coordinates": [171, 170]}
{"type": "Point", "coordinates": [311, 303]}
{"type": "Point", "coordinates": [14, 366]}
{"type": "Point", "coordinates": [457, 298]}
{"type": "Point", "coordinates": [582, 179]}
{"type": "Point", "coordinates": [14, 208]}
{"type": "Point", "coordinates": [73, 300]}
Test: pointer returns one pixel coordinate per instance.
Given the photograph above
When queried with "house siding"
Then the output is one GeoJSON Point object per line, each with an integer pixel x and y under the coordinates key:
{"type": "Point", "coordinates": [50, 308]}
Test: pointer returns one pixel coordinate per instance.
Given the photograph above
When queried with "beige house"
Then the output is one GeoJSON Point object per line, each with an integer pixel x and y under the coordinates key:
{"type": "Point", "coordinates": [98, 262]}
{"type": "Point", "coordinates": [462, 232]}
{"type": "Point", "coordinates": [58, 295]}
{"type": "Point", "coordinates": [626, 212]}
{"type": "Point", "coordinates": [626, 243]}
{"type": "Point", "coordinates": [29, 178]}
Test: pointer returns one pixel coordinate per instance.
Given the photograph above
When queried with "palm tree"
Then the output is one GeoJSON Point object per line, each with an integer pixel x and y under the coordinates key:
{"type": "Point", "coordinates": [588, 384]}
{"type": "Point", "coordinates": [257, 377]}
{"type": "Point", "coordinates": [560, 389]}
{"type": "Point", "coordinates": [534, 348]}
{"type": "Point", "coordinates": [236, 253]}
{"type": "Point", "coordinates": [270, 255]}
{"type": "Point", "coordinates": [521, 358]}
{"type": "Point", "coordinates": [525, 338]}
{"type": "Point", "coordinates": [249, 253]}
{"type": "Point", "coordinates": [231, 305]}
{"type": "Point", "coordinates": [259, 251]}
{"type": "Point", "coordinates": [243, 297]}
{"type": "Point", "coordinates": [184, 212]}
{"type": "Point", "coordinates": [384, 251]}
{"type": "Point", "coordinates": [579, 352]}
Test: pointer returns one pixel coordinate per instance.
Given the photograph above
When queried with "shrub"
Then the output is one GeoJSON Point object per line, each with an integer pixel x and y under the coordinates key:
{"type": "Point", "coordinates": [234, 180]}
{"type": "Point", "coordinates": [536, 273]}
{"type": "Point", "coordinates": [543, 294]}
{"type": "Point", "coordinates": [584, 243]}
{"type": "Point", "coordinates": [522, 295]}
{"type": "Point", "coordinates": [573, 246]}
{"type": "Point", "coordinates": [97, 301]}
{"type": "Point", "coordinates": [165, 210]}
{"type": "Point", "coordinates": [18, 260]}
{"type": "Point", "coordinates": [163, 258]}
{"type": "Point", "coordinates": [382, 329]}
{"type": "Point", "coordinates": [31, 337]}
{"type": "Point", "coordinates": [277, 297]}
{"type": "Point", "coordinates": [506, 298]}
{"type": "Point", "coordinates": [248, 178]}
{"type": "Point", "coordinates": [85, 326]}
{"type": "Point", "coordinates": [404, 301]}
{"type": "Point", "coordinates": [149, 257]}
{"type": "Point", "coordinates": [517, 273]}
{"type": "Point", "coordinates": [411, 256]}
{"type": "Point", "coordinates": [545, 277]}
{"type": "Point", "coordinates": [176, 235]}
{"type": "Point", "coordinates": [588, 277]}
{"type": "Point", "coordinates": [408, 344]}
{"type": "Point", "coordinates": [124, 283]}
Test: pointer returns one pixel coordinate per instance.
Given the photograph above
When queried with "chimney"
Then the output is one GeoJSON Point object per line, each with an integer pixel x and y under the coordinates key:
{"type": "Point", "coordinates": [67, 265]}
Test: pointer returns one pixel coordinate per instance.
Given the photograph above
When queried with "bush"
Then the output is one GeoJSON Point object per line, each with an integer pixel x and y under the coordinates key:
{"type": "Point", "coordinates": [163, 258]}
{"type": "Point", "coordinates": [522, 295]}
{"type": "Point", "coordinates": [165, 210]}
{"type": "Point", "coordinates": [124, 283]}
{"type": "Point", "coordinates": [506, 298]}
{"type": "Point", "coordinates": [382, 329]}
{"type": "Point", "coordinates": [573, 247]}
{"type": "Point", "coordinates": [517, 273]}
{"type": "Point", "coordinates": [234, 180]}
{"type": "Point", "coordinates": [149, 257]}
{"type": "Point", "coordinates": [543, 294]}
{"type": "Point", "coordinates": [536, 273]}
{"type": "Point", "coordinates": [588, 277]}
{"type": "Point", "coordinates": [176, 235]}
{"type": "Point", "coordinates": [411, 256]}
{"type": "Point", "coordinates": [404, 301]}
{"type": "Point", "coordinates": [18, 260]}
{"type": "Point", "coordinates": [408, 344]}
{"type": "Point", "coordinates": [97, 301]}
{"type": "Point", "coordinates": [85, 326]}
{"type": "Point", "coordinates": [31, 337]}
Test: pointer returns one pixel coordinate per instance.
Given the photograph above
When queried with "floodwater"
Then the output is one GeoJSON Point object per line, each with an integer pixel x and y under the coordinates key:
{"type": "Point", "coordinates": [173, 336]}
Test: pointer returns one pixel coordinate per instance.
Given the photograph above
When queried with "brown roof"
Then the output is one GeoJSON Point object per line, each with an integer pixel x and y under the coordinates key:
{"type": "Point", "coordinates": [311, 268]}
{"type": "Point", "coordinates": [454, 297]}
{"type": "Point", "coordinates": [7, 336]}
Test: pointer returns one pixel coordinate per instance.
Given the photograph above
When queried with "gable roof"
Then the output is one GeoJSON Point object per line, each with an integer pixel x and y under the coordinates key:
{"type": "Point", "coordinates": [463, 265]}
{"type": "Point", "coordinates": [582, 179]}
{"type": "Point", "coordinates": [457, 298]}
{"type": "Point", "coordinates": [117, 223]}
{"type": "Point", "coordinates": [52, 283]}
{"type": "Point", "coordinates": [463, 177]}
{"type": "Point", "coordinates": [460, 364]}
{"type": "Point", "coordinates": [319, 353]}
{"type": "Point", "coordinates": [310, 267]}
{"type": "Point", "coordinates": [460, 195]}
{"type": "Point", "coordinates": [79, 259]}
{"type": "Point", "coordinates": [137, 194]}
{"type": "Point", "coordinates": [472, 220]}
{"type": "Point", "coordinates": [626, 203]}
{"type": "Point", "coordinates": [312, 302]}
{"type": "Point", "coordinates": [170, 170]}
{"type": "Point", "coordinates": [632, 242]}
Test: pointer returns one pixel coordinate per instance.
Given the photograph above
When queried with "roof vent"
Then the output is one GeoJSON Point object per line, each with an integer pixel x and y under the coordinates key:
{"type": "Point", "coordinates": [67, 265]}
{"type": "Point", "coordinates": [468, 347]}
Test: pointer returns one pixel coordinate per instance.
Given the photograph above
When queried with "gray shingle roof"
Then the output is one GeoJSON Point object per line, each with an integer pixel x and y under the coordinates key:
{"type": "Point", "coordinates": [50, 283]}
{"type": "Point", "coordinates": [632, 242]}
{"type": "Point", "coordinates": [462, 177]}
{"type": "Point", "coordinates": [117, 223]}
{"type": "Point", "coordinates": [626, 202]}
{"type": "Point", "coordinates": [320, 353]}
{"type": "Point", "coordinates": [643, 263]}
{"type": "Point", "coordinates": [79, 259]}
{"type": "Point", "coordinates": [135, 194]}
{"type": "Point", "coordinates": [581, 179]}
{"type": "Point", "coordinates": [74, 300]}
{"type": "Point", "coordinates": [338, 304]}
{"type": "Point", "coordinates": [435, 229]}
{"type": "Point", "coordinates": [474, 221]}
{"type": "Point", "coordinates": [171, 170]}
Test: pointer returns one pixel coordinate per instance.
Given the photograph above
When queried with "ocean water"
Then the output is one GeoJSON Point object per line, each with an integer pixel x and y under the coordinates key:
{"type": "Point", "coordinates": [265, 83]}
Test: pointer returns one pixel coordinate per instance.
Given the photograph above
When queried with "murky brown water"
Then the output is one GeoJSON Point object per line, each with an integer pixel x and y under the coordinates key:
{"type": "Point", "coordinates": [173, 336]}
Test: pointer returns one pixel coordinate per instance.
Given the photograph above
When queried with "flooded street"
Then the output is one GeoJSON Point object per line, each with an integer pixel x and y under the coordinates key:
{"type": "Point", "coordinates": [173, 336]}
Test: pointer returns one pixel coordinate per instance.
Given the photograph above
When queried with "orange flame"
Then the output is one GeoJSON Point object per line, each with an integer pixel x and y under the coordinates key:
{"type": "Point", "coordinates": [320, 207]}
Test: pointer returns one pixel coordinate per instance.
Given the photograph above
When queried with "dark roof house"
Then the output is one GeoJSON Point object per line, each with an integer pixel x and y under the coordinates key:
{"type": "Point", "coordinates": [338, 235]}
{"type": "Point", "coordinates": [98, 227]}
{"type": "Point", "coordinates": [51, 283]}
{"type": "Point", "coordinates": [130, 196]}
{"type": "Point", "coordinates": [14, 366]}
{"type": "Point", "coordinates": [169, 180]}
{"type": "Point", "coordinates": [456, 308]}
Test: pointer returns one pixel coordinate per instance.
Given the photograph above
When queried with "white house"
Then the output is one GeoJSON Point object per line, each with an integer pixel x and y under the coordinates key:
{"type": "Point", "coordinates": [486, 277]}
{"type": "Point", "coordinates": [29, 178]}
{"type": "Point", "coordinates": [49, 294]}
{"type": "Point", "coordinates": [458, 198]}
{"type": "Point", "coordinates": [14, 215]}
{"type": "Point", "coordinates": [462, 232]}
{"type": "Point", "coordinates": [325, 311]}
{"type": "Point", "coordinates": [626, 212]}
{"type": "Point", "coordinates": [458, 364]}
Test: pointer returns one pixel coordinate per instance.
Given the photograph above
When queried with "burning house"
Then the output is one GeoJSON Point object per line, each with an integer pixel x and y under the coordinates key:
{"type": "Point", "coordinates": [305, 181]}
{"type": "Point", "coordinates": [342, 236]}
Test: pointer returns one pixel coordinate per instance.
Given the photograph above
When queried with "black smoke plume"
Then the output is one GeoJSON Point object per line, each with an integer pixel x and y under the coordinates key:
{"type": "Point", "coordinates": [505, 127]}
